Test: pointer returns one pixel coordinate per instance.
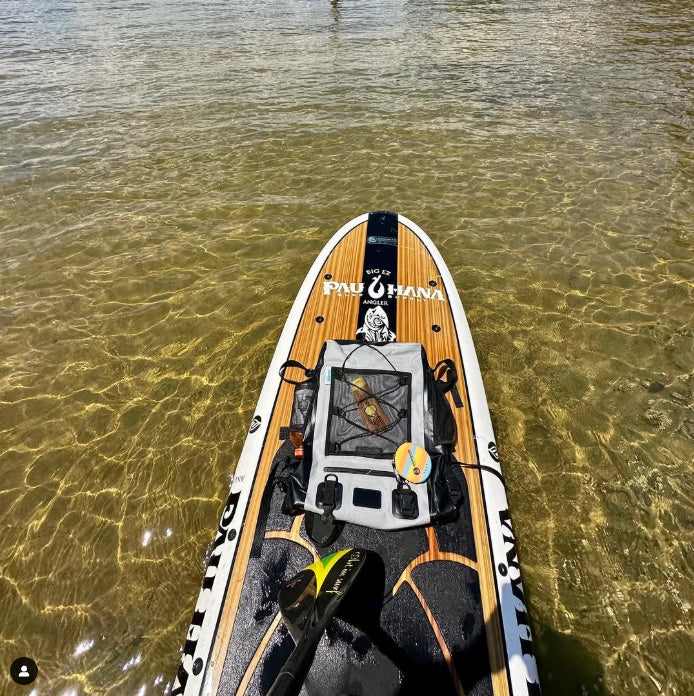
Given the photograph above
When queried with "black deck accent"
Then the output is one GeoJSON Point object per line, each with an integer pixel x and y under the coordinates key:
{"type": "Point", "coordinates": [380, 268]}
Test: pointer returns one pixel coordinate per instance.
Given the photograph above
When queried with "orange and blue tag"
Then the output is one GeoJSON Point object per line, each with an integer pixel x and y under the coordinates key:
{"type": "Point", "coordinates": [412, 463]}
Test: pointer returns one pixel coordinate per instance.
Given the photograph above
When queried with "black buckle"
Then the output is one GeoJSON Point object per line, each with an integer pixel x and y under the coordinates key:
{"type": "Point", "coordinates": [405, 506]}
{"type": "Point", "coordinates": [329, 496]}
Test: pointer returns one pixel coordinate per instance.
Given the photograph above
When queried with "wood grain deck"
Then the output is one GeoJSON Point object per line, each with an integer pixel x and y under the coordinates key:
{"type": "Point", "coordinates": [335, 317]}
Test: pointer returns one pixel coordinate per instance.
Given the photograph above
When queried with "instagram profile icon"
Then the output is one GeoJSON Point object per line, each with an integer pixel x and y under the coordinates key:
{"type": "Point", "coordinates": [24, 670]}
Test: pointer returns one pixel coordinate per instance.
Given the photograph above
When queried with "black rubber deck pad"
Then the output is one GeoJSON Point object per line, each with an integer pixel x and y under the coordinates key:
{"type": "Point", "coordinates": [347, 661]}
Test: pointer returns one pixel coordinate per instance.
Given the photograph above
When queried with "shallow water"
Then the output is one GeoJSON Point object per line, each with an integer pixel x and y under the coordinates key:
{"type": "Point", "coordinates": [168, 171]}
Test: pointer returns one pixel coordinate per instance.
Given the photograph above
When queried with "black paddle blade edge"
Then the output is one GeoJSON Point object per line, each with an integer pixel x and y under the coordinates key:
{"type": "Point", "coordinates": [296, 600]}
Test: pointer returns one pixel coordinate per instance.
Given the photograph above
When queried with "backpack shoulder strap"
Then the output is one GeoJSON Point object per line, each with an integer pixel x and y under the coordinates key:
{"type": "Point", "coordinates": [447, 378]}
{"type": "Point", "coordinates": [280, 472]}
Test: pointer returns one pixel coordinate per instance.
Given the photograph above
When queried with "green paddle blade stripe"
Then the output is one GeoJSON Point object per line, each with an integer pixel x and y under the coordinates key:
{"type": "Point", "coordinates": [322, 567]}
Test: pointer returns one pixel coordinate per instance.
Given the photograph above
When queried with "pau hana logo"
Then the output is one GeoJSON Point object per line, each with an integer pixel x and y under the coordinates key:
{"type": "Point", "coordinates": [378, 289]}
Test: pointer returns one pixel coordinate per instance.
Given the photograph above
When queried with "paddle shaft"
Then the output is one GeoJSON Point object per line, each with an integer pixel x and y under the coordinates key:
{"type": "Point", "coordinates": [290, 680]}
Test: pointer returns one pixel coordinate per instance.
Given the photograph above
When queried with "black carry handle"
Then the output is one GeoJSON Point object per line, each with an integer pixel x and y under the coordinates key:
{"type": "Point", "coordinates": [448, 370]}
{"type": "Point", "coordinates": [310, 374]}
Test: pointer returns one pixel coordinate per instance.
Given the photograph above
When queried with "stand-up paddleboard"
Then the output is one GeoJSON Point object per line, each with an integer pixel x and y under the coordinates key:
{"type": "Point", "coordinates": [453, 604]}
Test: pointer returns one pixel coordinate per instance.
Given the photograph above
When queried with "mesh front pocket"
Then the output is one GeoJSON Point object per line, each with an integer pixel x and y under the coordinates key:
{"type": "Point", "coordinates": [369, 412]}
